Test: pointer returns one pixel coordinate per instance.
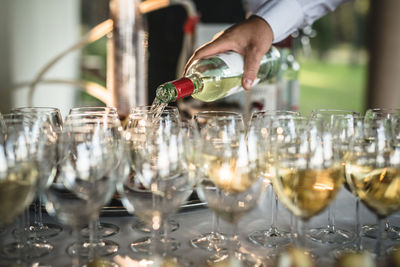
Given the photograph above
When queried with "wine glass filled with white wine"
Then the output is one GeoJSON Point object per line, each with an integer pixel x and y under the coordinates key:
{"type": "Point", "coordinates": [231, 183]}
{"type": "Point", "coordinates": [309, 173]}
{"type": "Point", "coordinates": [373, 170]}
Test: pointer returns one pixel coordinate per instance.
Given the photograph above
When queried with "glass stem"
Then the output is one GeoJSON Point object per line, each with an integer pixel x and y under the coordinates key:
{"type": "Point", "coordinates": [233, 240]}
{"type": "Point", "coordinates": [92, 238]}
{"type": "Point", "coordinates": [76, 262]}
{"type": "Point", "coordinates": [22, 236]}
{"type": "Point", "coordinates": [26, 223]}
{"type": "Point", "coordinates": [331, 217]}
{"type": "Point", "coordinates": [157, 222]}
{"type": "Point", "coordinates": [380, 236]}
{"type": "Point", "coordinates": [165, 232]}
{"type": "Point", "coordinates": [274, 212]}
{"type": "Point", "coordinates": [302, 230]}
{"type": "Point", "coordinates": [358, 226]}
{"type": "Point", "coordinates": [217, 226]}
{"type": "Point", "coordinates": [292, 228]}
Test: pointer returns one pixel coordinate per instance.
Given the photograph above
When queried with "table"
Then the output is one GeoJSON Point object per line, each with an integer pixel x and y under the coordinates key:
{"type": "Point", "coordinates": [194, 222]}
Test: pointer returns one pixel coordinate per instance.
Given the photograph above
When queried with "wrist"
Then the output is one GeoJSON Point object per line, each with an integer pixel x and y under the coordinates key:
{"type": "Point", "coordinates": [261, 23]}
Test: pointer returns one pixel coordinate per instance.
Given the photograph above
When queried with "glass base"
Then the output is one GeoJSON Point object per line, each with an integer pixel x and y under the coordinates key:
{"type": "Point", "coordinates": [371, 231]}
{"type": "Point", "coordinates": [104, 230]}
{"type": "Point", "coordinates": [210, 241]}
{"type": "Point", "coordinates": [144, 228]}
{"type": "Point", "coordinates": [29, 251]}
{"type": "Point", "coordinates": [144, 245]}
{"type": "Point", "coordinates": [101, 248]}
{"type": "Point", "coordinates": [44, 231]}
{"type": "Point", "coordinates": [328, 236]}
{"type": "Point", "coordinates": [249, 259]}
{"type": "Point", "coordinates": [270, 238]}
{"type": "Point", "coordinates": [152, 260]}
{"type": "Point", "coordinates": [101, 262]}
{"type": "Point", "coordinates": [239, 259]}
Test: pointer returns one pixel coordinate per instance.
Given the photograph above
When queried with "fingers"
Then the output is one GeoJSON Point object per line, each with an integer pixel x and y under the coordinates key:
{"type": "Point", "coordinates": [252, 60]}
{"type": "Point", "coordinates": [218, 45]}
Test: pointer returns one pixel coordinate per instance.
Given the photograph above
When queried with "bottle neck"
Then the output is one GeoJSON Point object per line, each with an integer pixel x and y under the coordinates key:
{"type": "Point", "coordinates": [184, 87]}
{"type": "Point", "coordinates": [177, 89]}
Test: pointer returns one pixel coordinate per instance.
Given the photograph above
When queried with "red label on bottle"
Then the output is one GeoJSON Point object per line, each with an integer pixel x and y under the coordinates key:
{"type": "Point", "coordinates": [184, 87]}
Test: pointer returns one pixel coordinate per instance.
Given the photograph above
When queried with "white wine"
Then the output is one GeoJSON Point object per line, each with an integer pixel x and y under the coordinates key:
{"type": "Point", "coordinates": [378, 188]}
{"type": "Point", "coordinates": [215, 88]}
{"type": "Point", "coordinates": [215, 77]}
{"type": "Point", "coordinates": [227, 175]}
{"type": "Point", "coordinates": [17, 190]}
{"type": "Point", "coordinates": [307, 192]}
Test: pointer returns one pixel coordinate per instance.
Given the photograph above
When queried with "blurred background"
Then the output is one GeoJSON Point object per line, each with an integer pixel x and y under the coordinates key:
{"type": "Point", "coordinates": [349, 59]}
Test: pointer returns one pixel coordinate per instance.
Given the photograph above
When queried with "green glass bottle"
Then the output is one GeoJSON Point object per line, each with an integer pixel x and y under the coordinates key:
{"type": "Point", "coordinates": [215, 77]}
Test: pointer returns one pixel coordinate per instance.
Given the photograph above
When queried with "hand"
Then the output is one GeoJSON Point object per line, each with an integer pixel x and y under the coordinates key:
{"type": "Point", "coordinates": [251, 38]}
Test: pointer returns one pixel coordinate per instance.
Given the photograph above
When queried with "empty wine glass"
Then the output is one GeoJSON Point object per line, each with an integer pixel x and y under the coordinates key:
{"type": "Point", "coordinates": [86, 179]}
{"type": "Point", "coordinates": [137, 114]}
{"type": "Point", "coordinates": [111, 126]}
{"type": "Point", "coordinates": [309, 172]}
{"type": "Point", "coordinates": [42, 139]}
{"type": "Point", "coordinates": [261, 122]}
{"type": "Point", "coordinates": [215, 240]}
{"type": "Point", "coordinates": [230, 184]}
{"type": "Point", "coordinates": [37, 228]}
{"type": "Point", "coordinates": [103, 229]}
{"type": "Point", "coordinates": [341, 132]}
{"type": "Point", "coordinates": [373, 171]}
{"type": "Point", "coordinates": [158, 183]}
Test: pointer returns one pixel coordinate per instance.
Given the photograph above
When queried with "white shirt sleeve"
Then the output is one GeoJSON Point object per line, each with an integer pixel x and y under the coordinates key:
{"type": "Point", "coordinates": [286, 16]}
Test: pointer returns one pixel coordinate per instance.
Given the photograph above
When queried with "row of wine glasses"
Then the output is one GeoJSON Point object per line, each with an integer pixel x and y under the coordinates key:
{"type": "Point", "coordinates": [305, 159]}
{"type": "Point", "coordinates": [157, 161]}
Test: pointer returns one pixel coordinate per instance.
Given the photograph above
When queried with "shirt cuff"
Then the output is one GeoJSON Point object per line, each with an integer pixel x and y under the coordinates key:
{"type": "Point", "coordinates": [283, 16]}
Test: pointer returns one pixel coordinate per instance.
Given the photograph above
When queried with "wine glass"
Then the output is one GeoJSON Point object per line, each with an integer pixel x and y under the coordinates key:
{"type": "Point", "coordinates": [137, 114]}
{"type": "Point", "coordinates": [341, 131]}
{"type": "Point", "coordinates": [309, 171]}
{"type": "Point", "coordinates": [159, 182]}
{"type": "Point", "coordinates": [86, 178]}
{"type": "Point", "coordinates": [18, 174]}
{"type": "Point", "coordinates": [39, 229]}
{"type": "Point", "coordinates": [370, 230]}
{"type": "Point", "coordinates": [261, 122]}
{"type": "Point", "coordinates": [230, 184]}
{"type": "Point", "coordinates": [373, 170]}
{"type": "Point", "coordinates": [111, 125]}
{"type": "Point", "coordinates": [42, 139]}
{"type": "Point", "coordinates": [215, 240]}
{"type": "Point", "coordinates": [103, 229]}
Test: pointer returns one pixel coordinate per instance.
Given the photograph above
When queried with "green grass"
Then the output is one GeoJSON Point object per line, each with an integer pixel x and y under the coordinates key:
{"type": "Point", "coordinates": [331, 86]}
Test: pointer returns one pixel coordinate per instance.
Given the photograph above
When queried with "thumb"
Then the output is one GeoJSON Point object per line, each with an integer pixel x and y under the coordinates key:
{"type": "Point", "coordinates": [252, 61]}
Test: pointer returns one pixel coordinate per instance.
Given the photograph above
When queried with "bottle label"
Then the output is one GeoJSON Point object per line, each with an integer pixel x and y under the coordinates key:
{"type": "Point", "coordinates": [234, 61]}
{"type": "Point", "coordinates": [184, 87]}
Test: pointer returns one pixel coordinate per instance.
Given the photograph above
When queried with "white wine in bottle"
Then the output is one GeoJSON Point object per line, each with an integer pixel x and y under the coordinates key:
{"type": "Point", "coordinates": [215, 77]}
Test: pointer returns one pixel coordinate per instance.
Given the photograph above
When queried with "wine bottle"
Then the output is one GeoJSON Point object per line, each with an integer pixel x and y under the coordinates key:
{"type": "Point", "coordinates": [215, 77]}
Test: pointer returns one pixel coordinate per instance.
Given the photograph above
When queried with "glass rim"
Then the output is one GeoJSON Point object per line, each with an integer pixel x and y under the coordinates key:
{"type": "Point", "coordinates": [92, 109]}
{"type": "Point", "coordinates": [148, 108]}
{"type": "Point", "coordinates": [217, 114]}
{"type": "Point", "coordinates": [40, 108]}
